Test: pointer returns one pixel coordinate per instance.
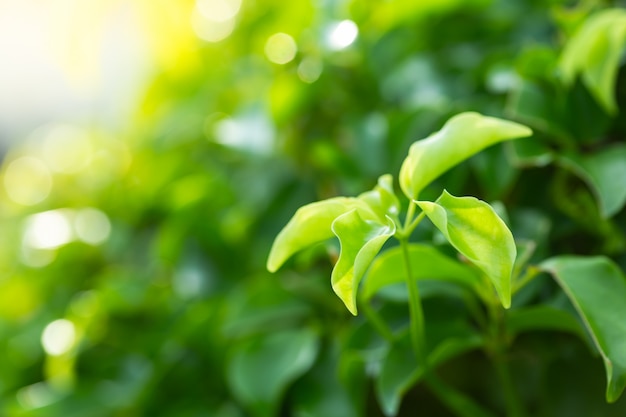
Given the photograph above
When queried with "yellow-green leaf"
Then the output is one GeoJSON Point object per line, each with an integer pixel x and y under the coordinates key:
{"type": "Point", "coordinates": [461, 137]}
{"type": "Point", "coordinates": [311, 224]}
{"type": "Point", "coordinates": [382, 199]}
{"type": "Point", "coordinates": [594, 52]}
{"type": "Point", "coordinates": [475, 230]}
{"type": "Point", "coordinates": [361, 240]}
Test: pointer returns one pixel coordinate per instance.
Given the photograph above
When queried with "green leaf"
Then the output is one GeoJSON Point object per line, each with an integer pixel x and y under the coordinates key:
{"type": "Point", "coordinates": [597, 288]}
{"type": "Point", "coordinates": [475, 230]}
{"type": "Point", "coordinates": [261, 369]}
{"type": "Point", "coordinates": [361, 240]}
{"type": "Point", "coordinates": [311, 224]}
{"type": "Point", "coordinates": [461, 137]}
{"type": "Point", "coordinates": [427, 263]}
{"type": "Point", "coordinates": [600, 171]}
{"type": "Point", "coordinates": [322, 392]}
{"type": "Point", "coordinates": [594, 52]}
{"type": "Point", "coordinates": [542, 317]}
{"type": "Point", "coordinates": [382, 199]}
{"type": "Point", "coordinates": [400, 370]}
{"type": "Point", "coordinates": [398, 373]}
{"type": "Point", "coordinates": [540, 107]}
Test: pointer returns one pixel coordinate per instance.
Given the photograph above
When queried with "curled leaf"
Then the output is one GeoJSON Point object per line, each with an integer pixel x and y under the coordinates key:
{"type": "Point", "coordinates": [461, 137]}
{"type": "Point", "coordinates": [600, 171]}
{"type": "Point", "coordinates": [594, 52]}
{"type": "Point", "coordinates": [475, 230]}
{"type": "Point", "coordinates": [311, 224]}
{"type": "Point", "coordinates": [382, 199]}
{"type": "Point", "coordinates": [361, 240]}
{"type": "Point", "coordinates": [597, 288]}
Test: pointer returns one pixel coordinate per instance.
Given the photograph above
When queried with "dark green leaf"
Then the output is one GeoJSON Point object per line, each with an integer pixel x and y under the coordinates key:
{"type": "Point", "coordinates": [597, 288]}
{"type": "Point", "coordinates": [602, 171]}
{"type": "Point", "coordinates": [261, 369]}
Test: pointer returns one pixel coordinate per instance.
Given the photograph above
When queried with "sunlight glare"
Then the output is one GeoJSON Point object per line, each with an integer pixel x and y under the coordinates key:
{"type": "Point", "coordinates": [92, 226]}
{"type": "Point", "coordinates": [27, 181]}
{"type": "Point", "coordinates": [211, 30]}
{"type": "Point", "coordinates": [280, 48]}
{"type": "Point", "coordinates": [310, 69]}
{"type": "Point", "coordinates": [65, 148]}
{"type": "Point", "coordinates": [218, 10]}
{"type": "Point", "coordinates": [48, 230]}
{"type": "Point", "coordinates": [342, 34]}
{"type": "Point", "coordinates": [58, 337]}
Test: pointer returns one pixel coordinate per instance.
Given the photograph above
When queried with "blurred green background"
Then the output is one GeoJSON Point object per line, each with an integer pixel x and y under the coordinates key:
{"type": "Point", "coordinates": [139, 204]}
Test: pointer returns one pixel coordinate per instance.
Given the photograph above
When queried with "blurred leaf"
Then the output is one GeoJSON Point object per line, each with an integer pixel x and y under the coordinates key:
{"type": "Point", "coordinates": [594, 52]}
{"type": "Point", "coordinates": [400, 371]}
{"type": "Point", "coordinates": [542, 317]}
{"type": "Point", "coordinates": [540, 107]}
{"type": "Point", "coordinates": [597, 288]}
{"type": "Point", "coordinates": [494, 171]}
{"type": "Point", "coordinates": [461, 137]}
{"type": "Point", "coordinates": [261, 369]}
{"type": "Point", "coordinates": [601, 171]}
{"type": "Point", "coordinates": [427, 263]}
{"type": "Point", "coordinates": [361, 240]}
{"type": "Point", "coordinates": [322, 392]}
{"type": "Point", "coordinates": [475, 230]}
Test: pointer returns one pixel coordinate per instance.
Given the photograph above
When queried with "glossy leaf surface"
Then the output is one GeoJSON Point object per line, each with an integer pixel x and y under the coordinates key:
{"type": "Point", "coordinates": [361, 240]}
{"type": "Point", "coordinates": [475, 230]}
{"type": "Point", "coordinates": [461, 137]}
{"type": "Point", "coordinates": [597, 288]}
{"type": "Point", "coordinates": [603, 172]}
{"type": "Point", "coordinates": [594, 52]}
{"type": "Point", "coordinates": [261, 369]}
{"type": "Point", "coordinates": [427, 263]}
{"type": "Point", "coordinates": [311, 224]}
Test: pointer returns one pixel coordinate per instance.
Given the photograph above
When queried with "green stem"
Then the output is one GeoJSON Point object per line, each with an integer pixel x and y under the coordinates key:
{"type": "Point", "coordinates": [513, 403]}
{"type": "Point", "coordinates": [497, 351]}
{"type": "Point", "coordinates": [410, 213]}
{"type": "Point", "coordinates": [415, 306]}
{"type": "Point", "coordinates": [530, 273]}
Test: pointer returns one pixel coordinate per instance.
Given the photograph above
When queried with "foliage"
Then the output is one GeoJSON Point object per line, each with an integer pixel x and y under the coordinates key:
{"type": "Point", "coordinates": [133, 278]}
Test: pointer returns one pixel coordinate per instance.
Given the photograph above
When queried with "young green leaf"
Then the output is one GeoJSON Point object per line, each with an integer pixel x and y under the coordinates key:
{"type": "Point", "coordinates": [595, 51]}
{"type": "Point", "coordinates": [382, 199]}
{"type": "Point", "coordinates": [426, 263]}
{"type": "Point", "coordinates": [475, 230]}
{"type": "Point", "coordinates": [600, 171]}
{"type": "Point", "coordinates": [361, 241]}
{"type": "Point", "coordinates": [311, 224]}
{"type": "Point", "coordinates": [461, 137]}
{"type": "Point", "coordinates": [597, 288]}
{"type": "Point", "coordinates": [261, 368]}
